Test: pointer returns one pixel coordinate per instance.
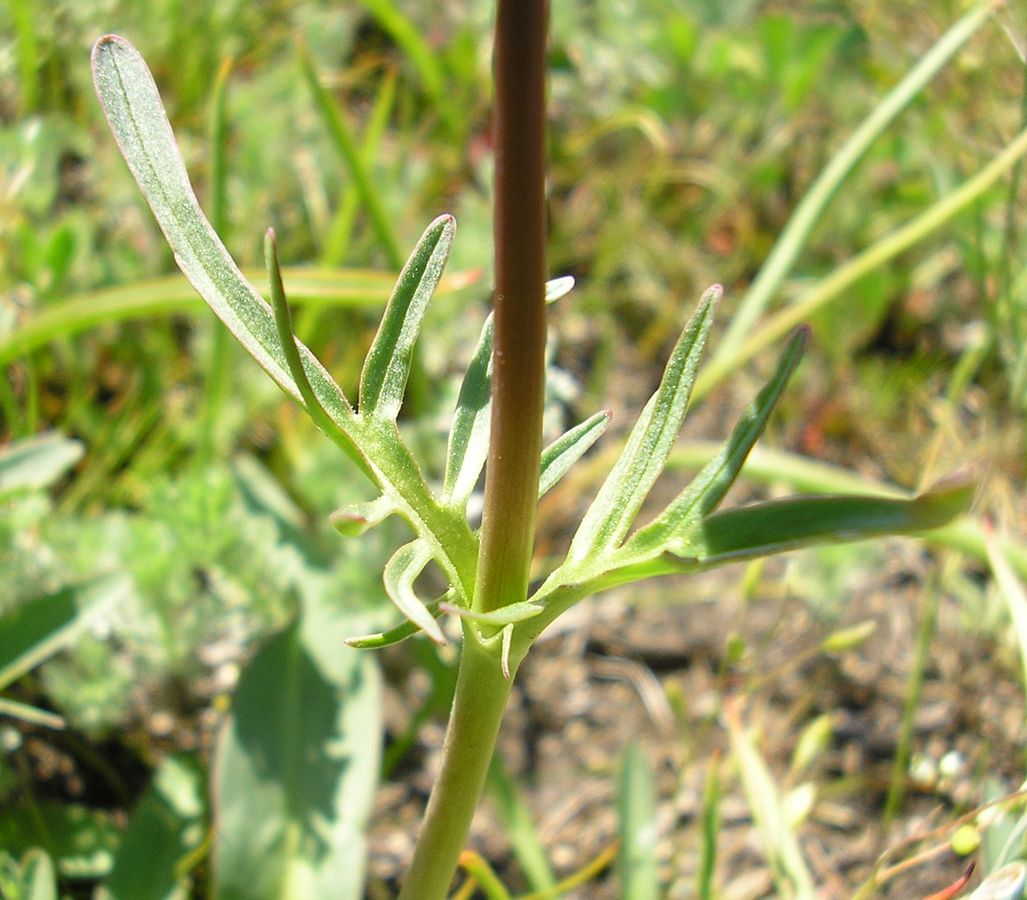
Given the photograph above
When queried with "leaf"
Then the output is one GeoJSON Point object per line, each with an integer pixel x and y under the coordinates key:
{"type": "Point", "coordinates": [296, 768]}
{"type": "Point", "coordinates": [779, 525]}
{"type": "Point", "coordinates": [356, 518]}
{"type": "Point", "coordinates": [520, 830]}
{"type": "Point", "coordinates": [36, 462]}
{"type": "Point", "coordinates": [469, 436]}
{"type": "Point", "coordinates": [559, 287]}
{"type": "Point", "coordinates": [80, 840]}
{"type": "Point", "coordinates": [137, 119]}
{"type": "Point", "coordinates": [637, 864]}
{"type": "Point", "coordinates": [506, 615]}
{"type": "Point", "coordinates": [400, 633]}
{"type": "Point", "coordinates": [705, 492]}
{"type": "Point", "coordinates": [780, 845]}
{"type": "Point", "coordinates": [567, 449]}
{"type": "Point", "coordinates": [357, 168]}
{"type": "Point", "coordinates": [318, 288]}
{"type": "Point", "coordinates": [614, 509]}
{"type": "Point", "coordinates": [401, 572]}
{"type": "Point", "coordinates": [34, 631]}
{"type": "Point", "coordinates": [165, 831]}
{"type": "Point", "coordinates": [40, 879]}
{"type": "Point", "coordinates": [387, 366]}
{"type": "Point", "coordinates": [1012, 591]}
{"type": "Point", "coordinates": [140, 125]}
{"type": "Point", "coordinates": [710, 832]}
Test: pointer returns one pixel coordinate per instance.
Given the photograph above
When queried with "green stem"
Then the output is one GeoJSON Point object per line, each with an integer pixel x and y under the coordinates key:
{"type": "Point", "coordinates": [481, 692]}
{"type": "Point", "coordinates": [515, 445]}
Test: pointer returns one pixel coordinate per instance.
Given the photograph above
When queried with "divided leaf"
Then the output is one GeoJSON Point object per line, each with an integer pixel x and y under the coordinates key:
{"type": "Point", "coordinates": [469, 436]}
{"type": "Point", "coordinates": [387, 367]}
{"type": "Point", "coordinates": [779, 525]}
{"type": "Point", "coordinates": [356, 518]}
{"type": "Point", "coordinates": [567, 449]}
{"type": "Point", "coordinates": [401, 632]}
{"type": "Point", "coordinates": [649, 444]}
{"type": "Point", "coordinates": [705, 492]}
{"type": "Point", "coordinates": [401, 572]}
{"type": "Point", "coordinates": [140, 125]}
{"type": "Point", "coordinates": [506, 615]}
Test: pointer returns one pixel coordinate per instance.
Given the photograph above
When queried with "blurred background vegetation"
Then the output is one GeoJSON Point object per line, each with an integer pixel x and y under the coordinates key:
{"type": "Point", "coordinates": [683, 133]}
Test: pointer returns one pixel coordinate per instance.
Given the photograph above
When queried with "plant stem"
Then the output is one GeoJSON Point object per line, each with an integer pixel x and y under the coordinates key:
{"type": "Point", "coordinates": [519, 235]}
{"type": "Point", "coordinates": [481, 692]}
{"type": "Point", "coordinates": [515, 445]}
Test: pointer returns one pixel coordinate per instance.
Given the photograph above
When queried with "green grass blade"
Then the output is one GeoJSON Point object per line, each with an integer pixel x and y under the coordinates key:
{"type": "Point", "coordinates": [1014, 593]}
{"type": "Point", "coordinates": [340, 231]}
{"type": "Point", "coordinates": [401, 572]}
{"type": "Point", "coordinates": [296, 769]}
{"type": "Point", "coordinates": [637, 863]}
{"type": "Point", "coordinates": [359, 172]}
{"type": "Point", "coordinates": [31, 714]}
{"type": "Point", "coordinates": [519, 828]}
{"type": "Point", "coordinates": [36, 462]}
{"type": "Point", "coordinates": [710, 833]}
{"type": "Point", "coordinates": [424, 59]}
{"type": "Point", "coordinates": [780, 525]}
{"type": "Point", "coordinates": [567, 449]}
{"type": "Point", "coordinates": [353, 288]}
{"type": "Point", "coordinates": [792, 240]}
{"type": "Point", "coordinates": [650, 442]}
{"type": "Point", "coordinates": [780, 843]}
{"type": "Point", "coordinates": [136, 116]}
{"type": "Point", "coordinates": [845, 276]}
{"type": "Point", "coordinates": [707, 489]}
{"type": "Point", "coordinates": [387, 367]}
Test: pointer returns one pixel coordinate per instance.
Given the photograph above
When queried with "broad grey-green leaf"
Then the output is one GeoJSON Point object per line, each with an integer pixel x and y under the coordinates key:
{"type": "Point", "coordinates": [705, 492]}
{"type": "Point", "coordinates": [295, 770]}
{"type": "Point", "coordinates": [36, 462]}
{"type": "Point", "coordinates": [567, 449]}
{"type": "Point", "coordinates": [34, 631]}
{"type": "Point", "coordinates": [140, 125]}
{"type": "Point", "coordinates": [645, 453]}
{"type": "Point", "coordinates": [779, 525]}
{"type": "Point", "coordinates": [401, 572]}
{"type": "Point", "coordinates": [387, 366]}
{"type": "Point", "coordinates": [166, 828]}
{"type": "Point", "coordinates": [469, 436]}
